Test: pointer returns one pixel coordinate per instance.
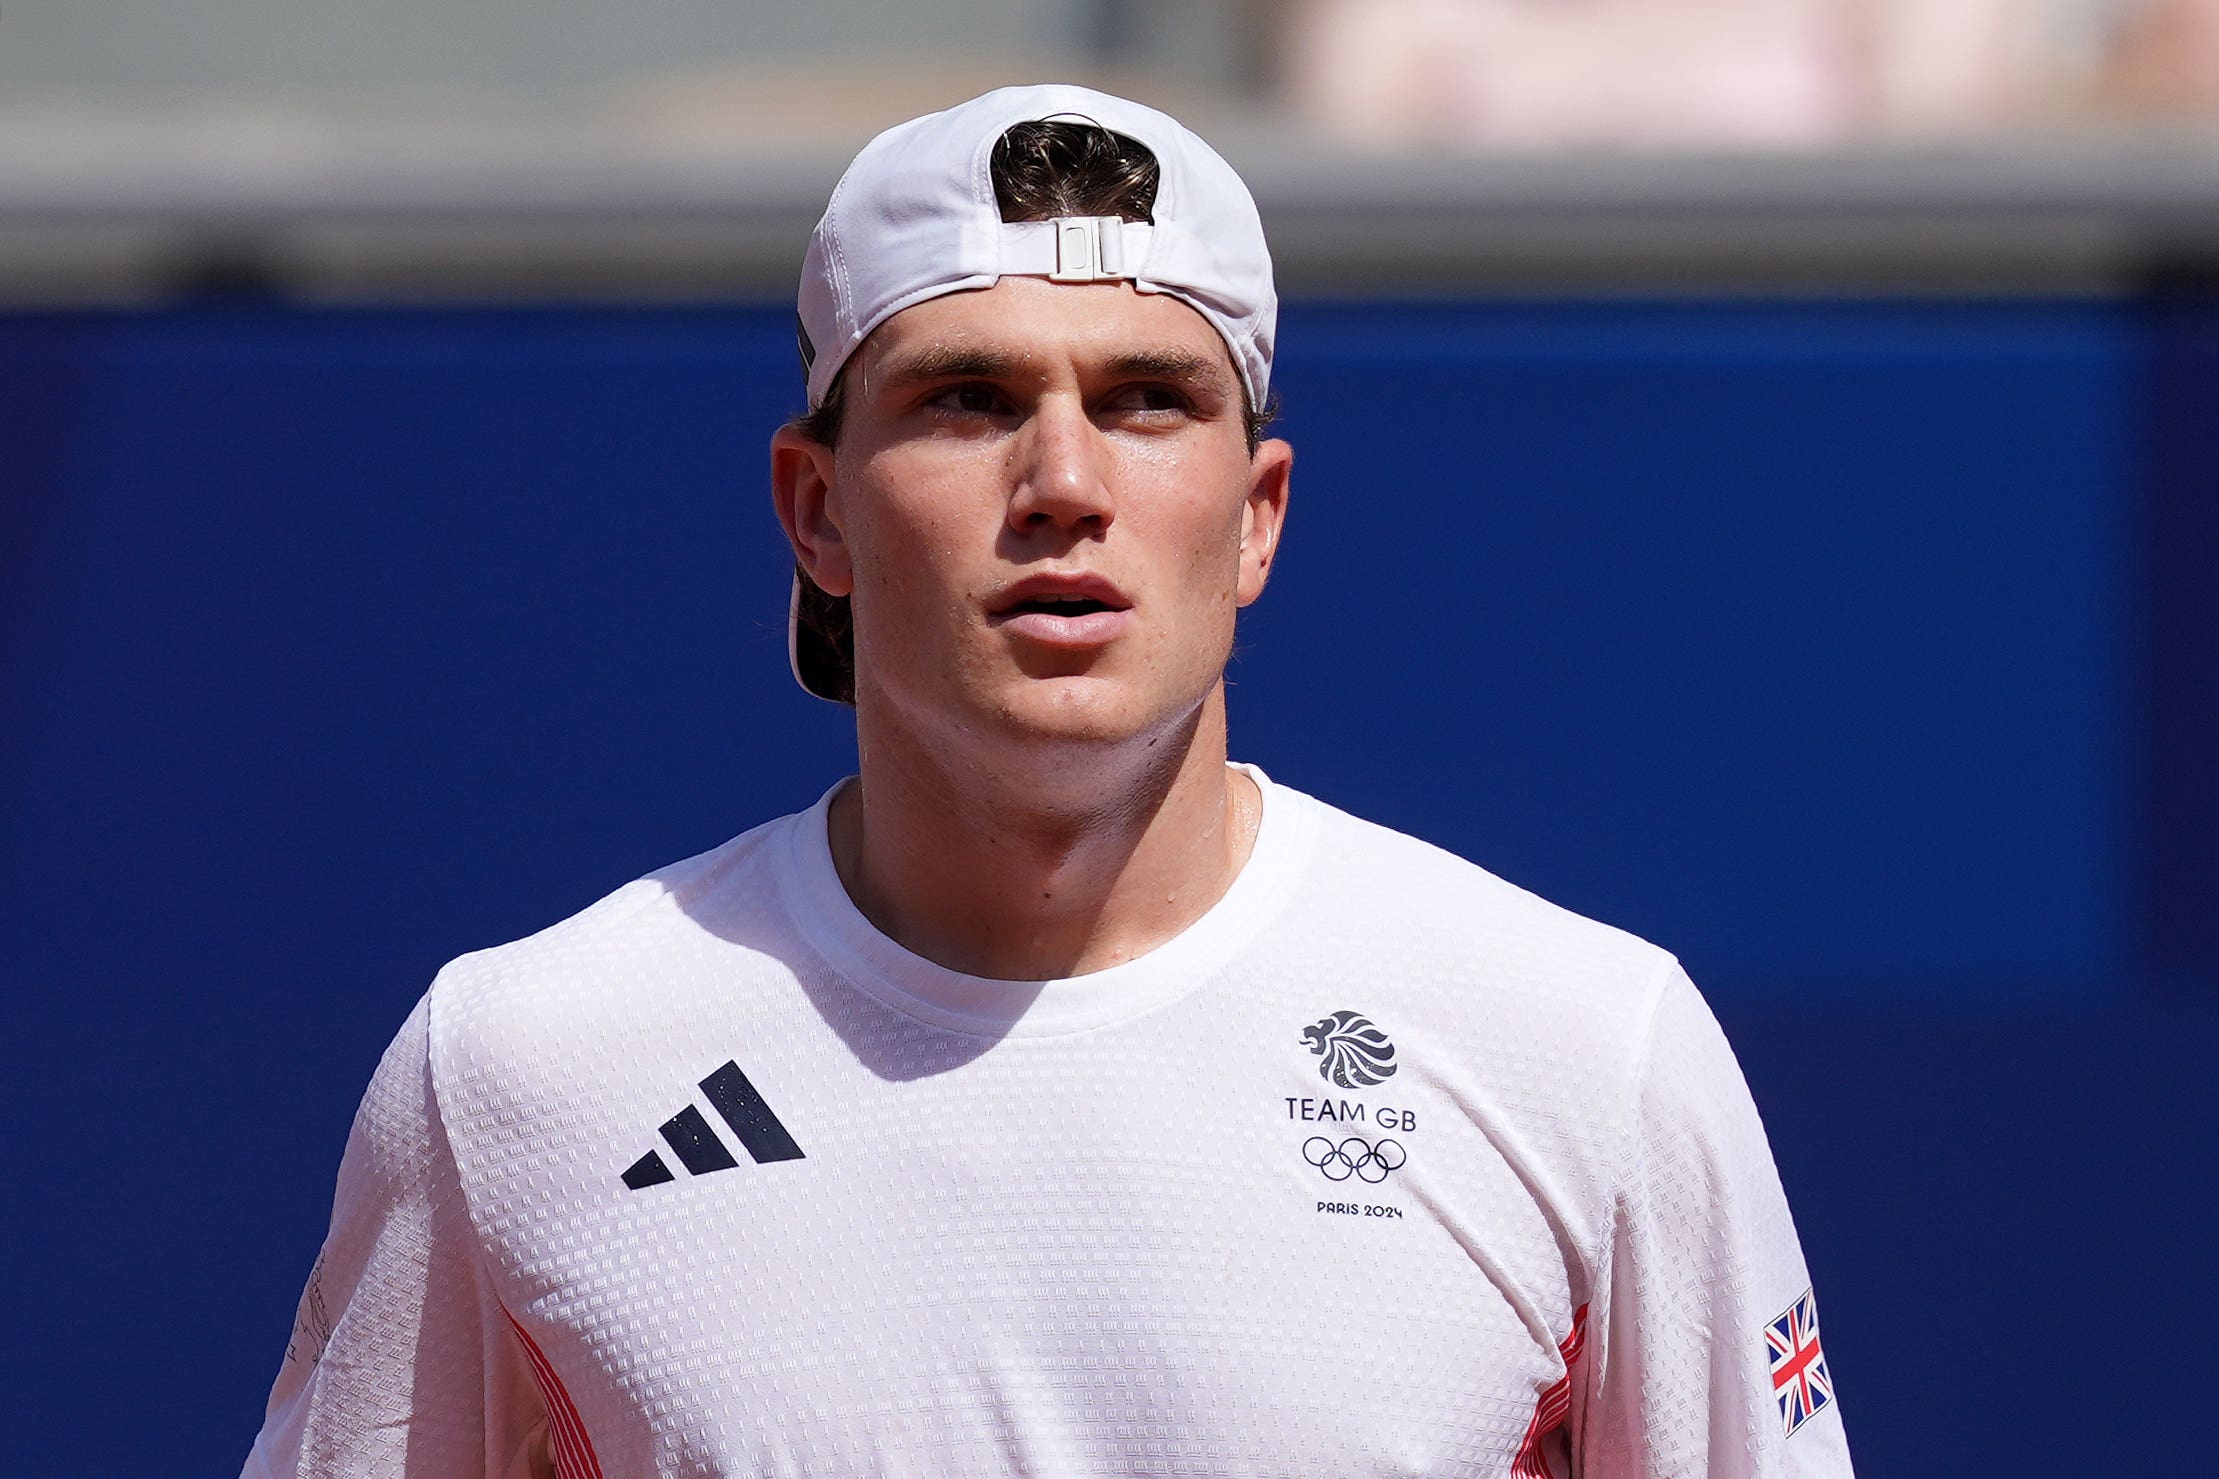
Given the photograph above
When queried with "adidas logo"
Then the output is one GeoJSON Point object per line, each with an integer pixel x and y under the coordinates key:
{"type": "Point", "coordinates": [696, 1145]}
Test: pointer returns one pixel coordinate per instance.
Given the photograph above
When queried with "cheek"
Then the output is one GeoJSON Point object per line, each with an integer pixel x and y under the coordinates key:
{"type": "Point", "coordinates": [1192, 495]}
{"type": "Point", "coordinates": [1203, 564]}
{"type": "Point", "coordinates": [1215, 548]}
{"type": "Point", "coordinates": [910, 553]}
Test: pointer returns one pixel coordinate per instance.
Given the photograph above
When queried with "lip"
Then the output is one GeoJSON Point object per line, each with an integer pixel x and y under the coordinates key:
{"type": "Point", "coordinates": [1090, 629]}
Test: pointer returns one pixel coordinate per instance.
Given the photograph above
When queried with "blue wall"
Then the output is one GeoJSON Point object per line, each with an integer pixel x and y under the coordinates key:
{"type": "Point", "coordinates": [1862, 653]}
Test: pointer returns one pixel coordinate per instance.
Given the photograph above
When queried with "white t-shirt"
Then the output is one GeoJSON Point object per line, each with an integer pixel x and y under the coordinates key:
{"type": "Point", "coordinates": [1382, 1166]}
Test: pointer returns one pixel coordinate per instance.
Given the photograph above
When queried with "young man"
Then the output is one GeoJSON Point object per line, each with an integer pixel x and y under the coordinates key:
{"type": "Point", "coordinates": [1054, 1098]}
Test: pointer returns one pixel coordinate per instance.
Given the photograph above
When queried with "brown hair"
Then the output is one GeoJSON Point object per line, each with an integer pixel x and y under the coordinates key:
{"type": "Point", "coordinates": [1041, 170]}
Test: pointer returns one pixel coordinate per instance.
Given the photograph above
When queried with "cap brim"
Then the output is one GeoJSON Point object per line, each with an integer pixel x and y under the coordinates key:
{"type": "Point", "coordinates": [816, 663]}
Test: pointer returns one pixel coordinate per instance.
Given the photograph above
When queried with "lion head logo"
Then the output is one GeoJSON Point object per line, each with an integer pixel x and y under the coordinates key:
{"type": "Point", "coordinates": [1352, 1053]}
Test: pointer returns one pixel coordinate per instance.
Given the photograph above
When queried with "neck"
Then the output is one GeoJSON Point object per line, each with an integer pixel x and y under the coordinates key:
{"type": "Point", "coordinates": [1044, 865]}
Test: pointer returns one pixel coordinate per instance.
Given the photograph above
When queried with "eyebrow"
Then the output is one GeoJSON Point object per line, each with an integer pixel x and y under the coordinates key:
{"type": "Point", "coordinates": [1183, 365]}
{"type": "Point", "coordinates": [971, 362]}
{"type": "Point", "coordinates": [949, 362]}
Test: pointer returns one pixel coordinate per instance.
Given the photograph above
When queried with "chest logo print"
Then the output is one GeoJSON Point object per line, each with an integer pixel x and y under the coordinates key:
{"type": "Point", "coordinates": [1351, 1051]}
{"type": "Point", "coordinates": [697, 1145]}
{"type": "Point", "coordinates": [1354, 1156]}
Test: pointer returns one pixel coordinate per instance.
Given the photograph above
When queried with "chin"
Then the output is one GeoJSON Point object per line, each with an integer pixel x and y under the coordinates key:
{"type": "Point", "coordinates": [1077, 709]}
{"type": "Point", "coordinates": [1012, 711]}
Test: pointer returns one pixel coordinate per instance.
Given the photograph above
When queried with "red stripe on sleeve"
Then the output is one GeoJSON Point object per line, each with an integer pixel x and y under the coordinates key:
{"type": "Point", "coordinates": [1550, 1410]}
{"type": "Point", "coordinates": [574, 1456]}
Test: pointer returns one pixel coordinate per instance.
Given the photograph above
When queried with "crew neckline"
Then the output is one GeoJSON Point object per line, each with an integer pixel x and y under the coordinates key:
{"type": "Point", "coordinates": [907, 982]}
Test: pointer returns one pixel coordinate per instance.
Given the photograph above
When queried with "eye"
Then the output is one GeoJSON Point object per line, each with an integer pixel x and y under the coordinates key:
{"type": "Point", "coordinates": [1153, 400]}
{"type": "Point", "coordinates": [971, 398]}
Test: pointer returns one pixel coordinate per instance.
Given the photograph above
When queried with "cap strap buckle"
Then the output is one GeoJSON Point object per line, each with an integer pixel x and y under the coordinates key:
{"type": "Point", "coordinates": [1089, 248]}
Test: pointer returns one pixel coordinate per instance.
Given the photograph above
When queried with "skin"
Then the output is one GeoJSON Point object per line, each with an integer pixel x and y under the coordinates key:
{"type": "Point", "coordinates": [1039, 798]}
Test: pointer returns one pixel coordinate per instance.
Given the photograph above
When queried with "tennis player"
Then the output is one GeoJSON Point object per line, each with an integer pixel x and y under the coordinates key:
{"type": "Point", "coordinates": [1054, 1098]}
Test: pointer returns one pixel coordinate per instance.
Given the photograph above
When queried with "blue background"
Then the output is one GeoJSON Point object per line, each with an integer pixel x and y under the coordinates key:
{"type": "Point", "coordinates": [1864, 653]}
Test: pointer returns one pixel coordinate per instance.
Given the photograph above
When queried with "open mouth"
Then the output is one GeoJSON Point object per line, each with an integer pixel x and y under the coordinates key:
{"type": "Point", "coordinates": [1072, 609]}
{"type": "Point", "coordinates": [1058, 606]}
{"type": "Point", "coordinates": [1069, 594]}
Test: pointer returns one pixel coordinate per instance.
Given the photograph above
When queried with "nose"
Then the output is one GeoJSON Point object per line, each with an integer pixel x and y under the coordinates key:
{"type": "Point", "coordinates": [1062, 473]}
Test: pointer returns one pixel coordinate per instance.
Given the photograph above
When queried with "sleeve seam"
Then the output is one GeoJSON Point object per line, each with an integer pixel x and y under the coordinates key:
{"type": "Point", "coordinates": [1629, 1138]}
{"type": "Point", "coordinates": [446, 1145]}
{"type": "Point", "coordinates": [1644, 1049]}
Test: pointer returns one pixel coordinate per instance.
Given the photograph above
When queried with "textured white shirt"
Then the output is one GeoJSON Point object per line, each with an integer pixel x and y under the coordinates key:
{"type": "Point", "coordinates": [1382, 1166]}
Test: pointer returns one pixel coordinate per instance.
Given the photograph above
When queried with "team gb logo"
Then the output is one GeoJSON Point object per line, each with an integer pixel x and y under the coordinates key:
{"type": "Point", "coordinates": [1351, 1051]}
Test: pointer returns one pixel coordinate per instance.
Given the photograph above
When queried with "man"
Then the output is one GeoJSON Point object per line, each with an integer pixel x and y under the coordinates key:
{"type": "Point", "coordinates": [1054, 1098]}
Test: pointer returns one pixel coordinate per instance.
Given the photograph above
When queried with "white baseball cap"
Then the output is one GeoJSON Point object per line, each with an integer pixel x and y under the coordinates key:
{"type": "Point", "coordinates": [915, 217]}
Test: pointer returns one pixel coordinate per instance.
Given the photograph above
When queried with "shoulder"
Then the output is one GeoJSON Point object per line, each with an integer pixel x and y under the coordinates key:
{"type": "Point", "coordinates": [1450, 916]}
{"type": "Point", "coordinates": [1550, 1010]}
{"type": "Point", "coordinates": [547, 1051]}
{"type": "Point", "coordinates": [593, 973]}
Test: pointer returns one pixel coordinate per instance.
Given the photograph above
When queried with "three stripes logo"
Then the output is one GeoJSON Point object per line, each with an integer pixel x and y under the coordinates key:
{"type": "Point", "coordinates": [696, 1144]}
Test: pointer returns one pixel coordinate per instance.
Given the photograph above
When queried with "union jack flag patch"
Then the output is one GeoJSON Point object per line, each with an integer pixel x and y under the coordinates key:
{"type": "Point", "coordinates": [1799, 1380]}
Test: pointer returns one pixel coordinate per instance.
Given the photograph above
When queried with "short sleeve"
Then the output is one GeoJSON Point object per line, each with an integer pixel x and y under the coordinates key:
{"type": "Point", "coordinates": [401, 1365]}
{"type": "Point", "coordinates": [1707, 1361]}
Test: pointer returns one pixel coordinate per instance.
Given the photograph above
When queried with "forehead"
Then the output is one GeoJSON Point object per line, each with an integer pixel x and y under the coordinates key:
{"type": "Point", "coordinates": [1045, 326]}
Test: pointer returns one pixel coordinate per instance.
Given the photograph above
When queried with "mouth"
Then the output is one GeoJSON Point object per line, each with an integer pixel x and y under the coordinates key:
{"type": "Point", "coordinates": [1072, 611]}
{"type": "Point", "coordinates": [1058, 606]}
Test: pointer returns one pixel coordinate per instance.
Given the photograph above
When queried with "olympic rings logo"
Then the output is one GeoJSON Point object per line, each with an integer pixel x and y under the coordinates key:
{"type": "Point", "coordinates": [1352, 1157]}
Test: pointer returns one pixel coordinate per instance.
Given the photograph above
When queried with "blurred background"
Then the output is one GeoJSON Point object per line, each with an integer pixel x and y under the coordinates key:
{"type": "Point", "coordinates": [1757, 486]}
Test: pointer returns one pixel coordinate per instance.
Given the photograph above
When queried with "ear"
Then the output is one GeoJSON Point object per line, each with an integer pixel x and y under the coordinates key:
{"type": "Point", "coordinates": [1264, 516]}
{"type": "Point", "coordinates": [801, 485]}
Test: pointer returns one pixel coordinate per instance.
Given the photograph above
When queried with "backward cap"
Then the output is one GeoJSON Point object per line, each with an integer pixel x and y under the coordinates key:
{"type": "Point", "coordinates": [914, 217]}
